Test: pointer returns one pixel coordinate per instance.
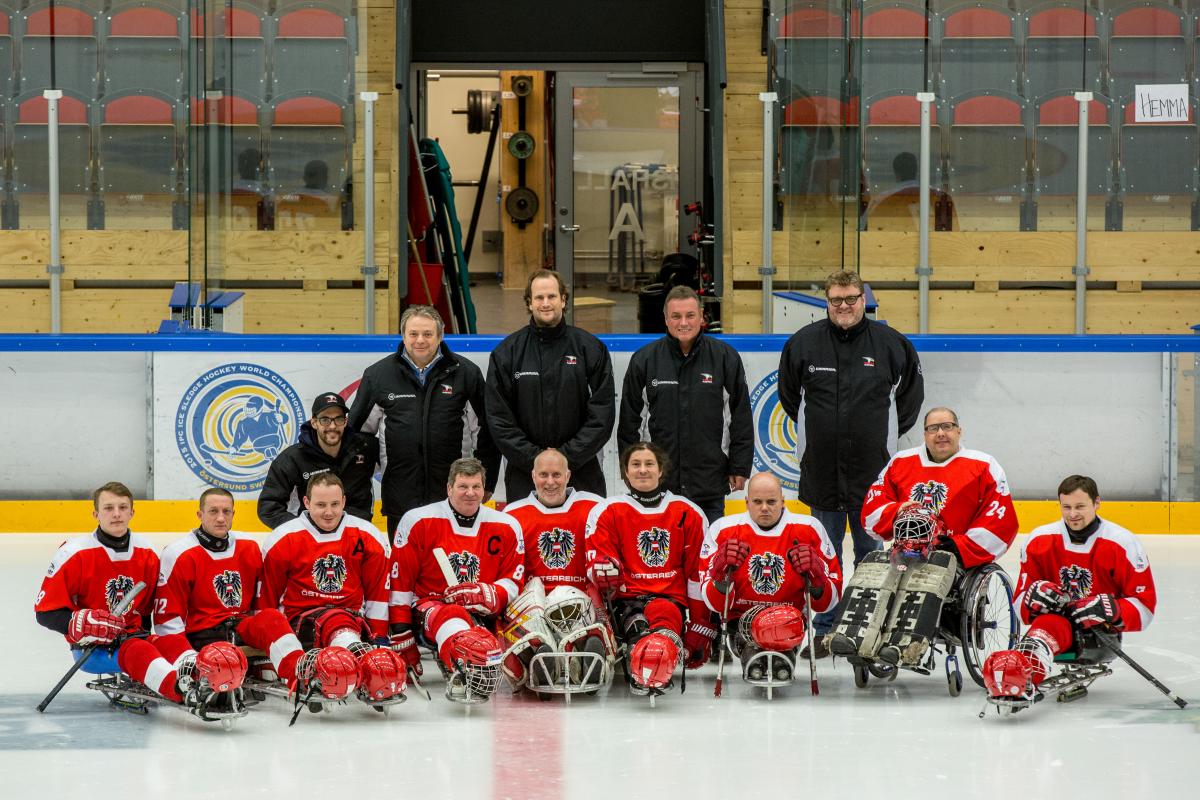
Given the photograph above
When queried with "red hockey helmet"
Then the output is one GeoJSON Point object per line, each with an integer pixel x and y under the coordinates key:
{"type": "Point", "coordinates": [223, 665]}
{"type": "Point", "coordinates": [381, 674]}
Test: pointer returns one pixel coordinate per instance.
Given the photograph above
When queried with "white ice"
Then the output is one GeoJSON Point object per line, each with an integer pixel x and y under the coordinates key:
{"type": "Point", "coordinates": [899, 740]}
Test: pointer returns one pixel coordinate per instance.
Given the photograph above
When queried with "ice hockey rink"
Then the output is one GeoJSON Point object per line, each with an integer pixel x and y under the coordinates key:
{"type": "Point", "coordinates": [906, 739]}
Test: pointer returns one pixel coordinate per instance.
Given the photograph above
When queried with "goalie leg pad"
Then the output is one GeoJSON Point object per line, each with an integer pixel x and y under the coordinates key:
{"type": "Point", "coordinates": [864, 607]}
{"type": "Point", "coordinates": [917, 609]}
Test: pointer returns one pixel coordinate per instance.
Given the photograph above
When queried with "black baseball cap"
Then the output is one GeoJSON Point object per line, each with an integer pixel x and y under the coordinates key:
{"type": "Point", "coordinates": [329, 400]}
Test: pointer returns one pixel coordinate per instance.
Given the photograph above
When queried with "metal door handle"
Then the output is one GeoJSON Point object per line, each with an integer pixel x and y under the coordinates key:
{"type": "Point", "coordinates": [568, 228]}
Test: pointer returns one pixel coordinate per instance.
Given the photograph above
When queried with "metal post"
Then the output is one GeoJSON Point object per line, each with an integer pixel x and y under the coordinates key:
{"type": "Point", "coordinates": [54, 268]}
{"type": "Point", "coordinates": [923, 268]}
{"type": "Point", "coordinates": [369, 269]}
{"type": "Point", "coordinates": [767, 270]}
{"type": "Point", "coordinates": [1081, 197]}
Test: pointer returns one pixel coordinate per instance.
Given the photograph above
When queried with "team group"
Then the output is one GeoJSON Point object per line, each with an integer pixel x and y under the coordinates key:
{"type": "Point", "coordinates": [566, 584]}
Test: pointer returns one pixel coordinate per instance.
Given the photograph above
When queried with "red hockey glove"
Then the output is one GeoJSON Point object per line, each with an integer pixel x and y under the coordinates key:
{"type": "Point", "coordinates": [1099, 609]}
{"type": "Point", "coordinates": [1044, 597]}
{"type": "Point", "coordinates": [404, 644]}
{"type": "Point", "coordinates": [729, 556]}
{"type": "Point", "coordinates": [605, 573]}
{"type": "Point", "coordinates": [481, 598]}
{"type": "Point", "coordinates": [94, 626]}
{"type": "Point", "coordinates": [806, 562]}
{"type": "Point", "coordinates": [697, 640]}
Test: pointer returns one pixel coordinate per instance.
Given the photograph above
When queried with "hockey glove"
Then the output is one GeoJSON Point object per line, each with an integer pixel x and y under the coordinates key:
{"type": "Point", "coordinates": [404, 644]}
{"type": "Point", "coordinates": [1044, 597]}
{"type": "Point", "coordinates": [94, 626]}
{"type": "Point", "coordinates": [808, 565]}
{"type": "Point", "coordinates": [729, 556]}
{"type": "Point", "coordinates": [480, 598]}
{"type": "Point", "coordinates": [946, 544]}
{"type": "Point", "coordinates": [1099, 609]}
{"type": "Point", "coordinates": [605, 573]}
{"type": "Point", "coordinates": [697, 640]}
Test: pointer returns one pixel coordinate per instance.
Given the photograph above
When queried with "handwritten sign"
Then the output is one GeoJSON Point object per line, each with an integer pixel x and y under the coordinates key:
{"type": "Point", "coordinates": [1161, 102]}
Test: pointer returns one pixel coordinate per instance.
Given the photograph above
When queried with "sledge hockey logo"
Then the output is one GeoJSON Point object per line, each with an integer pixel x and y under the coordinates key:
{"type": "Point", "coordinates": [930, 494]}
{"type": "Point", "coordinates": [232, 421]}
{"type": "Point", "coordinates": [654, 546]}
{"type": "Point", "coordinates": [571, 361]}
{"type": "Point", "coordinates": [766, 572]}
{"type": "Point", "coordinates": [1076, 580]}
{"type": "Point", "coordinates": [706, 377]}
{"type": "Point", "coordinates": [329, 573]}
{"type": "Point", "coordinates": [868, 361]}
{"type": "Point", "coordinates": [228, 585]}
{"type": "Point", "coordinates": [116, 589]}
{"type": "Point", "coordinates": [776, 440]}
{"type": "Point", "coordinates": [465, 565]}
{"type": "Point", "coordinates": [556, 546]}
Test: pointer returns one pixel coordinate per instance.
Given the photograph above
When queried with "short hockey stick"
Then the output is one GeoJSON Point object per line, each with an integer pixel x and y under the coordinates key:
{"type": "Point", "coordinates": [1114, 644]}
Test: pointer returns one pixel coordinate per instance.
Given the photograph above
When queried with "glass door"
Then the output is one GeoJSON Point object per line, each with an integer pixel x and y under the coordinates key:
{"type": "Point", "coordinates": [628, 149]}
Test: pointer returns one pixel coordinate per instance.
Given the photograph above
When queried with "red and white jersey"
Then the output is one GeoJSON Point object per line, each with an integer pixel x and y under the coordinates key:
{"type": "Point", "coordinates": [969, 491]}
{"type": "Point", "coordinates": [766, 576]}
{"type": "Point", "coordinates": [86, 574]}
{"type": "Point", "coordinates": [199, 589]}
{"type": "Point", "coordinates": [304, 568]}
{"type": "Point", "coordinates": [491, 551]}
{"type": "Point", "coordinates": [1111, 561]}
{"type": "Point", "coordinates": [662, 549]}
{"type": "Point", "coordinates": [554, 537]}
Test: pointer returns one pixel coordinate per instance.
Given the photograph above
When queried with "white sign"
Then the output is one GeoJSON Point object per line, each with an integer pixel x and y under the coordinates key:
{"type": "Point", "coordinates": [1161, 102]}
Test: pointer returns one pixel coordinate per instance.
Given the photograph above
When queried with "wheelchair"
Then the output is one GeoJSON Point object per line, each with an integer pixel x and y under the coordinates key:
{"type": "Point", "coordinates": [977, 617]}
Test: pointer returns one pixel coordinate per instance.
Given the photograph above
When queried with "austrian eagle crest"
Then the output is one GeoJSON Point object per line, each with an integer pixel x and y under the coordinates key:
{"type": "Point", "coordinates": [766, 572]}
{"type": "Point", "coordinates": [115, 590]}
{"type": "Point", "coordinates": [228, 585]}
{"type": "Point", "coordinates": [556, 546]}
{"type": "Point", "coordinates": [329, 573]}
{"type": "Point", "coordinates": [930, 494]}
{"type": "Point", "coordinates": [465, 565]}
{"type": "Point", "coordinates": [1076, 580]}
{"type": "Point", "coordinates": [654, 546]}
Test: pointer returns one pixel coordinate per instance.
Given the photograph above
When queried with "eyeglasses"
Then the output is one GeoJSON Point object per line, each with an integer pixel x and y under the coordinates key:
{"type": "Point", "coordinates": [325, 422]}
{"type": "Point", "coordinates": [944, 427]}
{"type": "Point", "coordinates": [850, 300]}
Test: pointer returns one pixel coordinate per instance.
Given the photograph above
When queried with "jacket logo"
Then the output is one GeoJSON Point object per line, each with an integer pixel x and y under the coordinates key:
{"type": "Point", "coordinates": [519, 375]}
{"type": "Point", "coordinates": [329, 573]}
{"type": "Point", "coordinates": [556, 547]}
{"type": "Point", "coordinates": [571, 361]}
{"type": "Point", "coordinates": [663, 382]}
{"type": "Point", "coordinates": [868, 361]}
{"type": "Point", "coordinates": [360, 459]}
{"type": "Point", "coordinates": [766, 572]}
{"type": "Point", "coordinates": [228, 585]}
{"type": "Point", "coordinates": [706, 377]}
{"type": "Point", "coordinates": [447, 389]}
{"type": "Point", "coordinates": [465, 566]}
{"type": "Point", "coordinates": [812, 368]}
{"type": "Point", "coordinates": [930, 494]}
{"type": "Point", "coordinates": [394, 396]}
{"type": "Point", "coordinates": [1076, 580]}
{"type": "Point", "coordinates": [654, 546]}
{"type": "Point", "coordinates": [307, 475]}
{"type": "Point", "coordinates": [115, 590]}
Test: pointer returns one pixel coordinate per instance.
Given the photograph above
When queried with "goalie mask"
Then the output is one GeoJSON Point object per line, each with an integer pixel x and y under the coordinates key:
{"type": "Point", "coordinates": [568, 609]}
{"type": "Point", "coordinates": [916, 528]}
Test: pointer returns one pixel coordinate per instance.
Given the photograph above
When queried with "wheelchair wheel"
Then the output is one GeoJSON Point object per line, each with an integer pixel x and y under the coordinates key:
{"type": "Point", "coordinates": [988, 621]}
{"type": "Point", "coordinates": [860, 676]}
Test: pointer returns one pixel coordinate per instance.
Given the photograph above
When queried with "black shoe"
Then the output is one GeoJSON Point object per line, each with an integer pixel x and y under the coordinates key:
{"type": "Point", "coordinates": [889, 654]}
{"type": "Point", "coordinates": [819, 649]}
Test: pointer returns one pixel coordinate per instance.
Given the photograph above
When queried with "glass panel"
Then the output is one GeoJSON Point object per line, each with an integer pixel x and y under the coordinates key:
{"type": "Point", "coordinates": [626, 197]}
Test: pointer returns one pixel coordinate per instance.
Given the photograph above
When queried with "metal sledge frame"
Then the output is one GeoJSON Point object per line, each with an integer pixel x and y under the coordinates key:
{"type": "Point", "coordinates": [260, 687]}
{"type": "Point", "coordinates": [593, 670]}
{"type": "Point", "coordinates": [769, 682]}
{"type": "Point", "coordinates": [126, 694]}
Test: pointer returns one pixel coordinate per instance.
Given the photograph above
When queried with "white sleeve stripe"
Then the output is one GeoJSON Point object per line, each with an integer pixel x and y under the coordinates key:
{"type": "Point", "coordinates": [401, 598]}
{"type": "Point", "coordinates": [375, 610]}
{"type": "Point", "coordinates": [173, 625]}
{"type": "Point", "coordinates": [509, 586]}
{"type": "Point", "coordinates": [1145, 613]}
{"type": "Point", "coordinates": [693, 591]}
{"type": "Point", "coordinates": [871, 521]}
{"type": "Point", "coordinates": [988, 541]}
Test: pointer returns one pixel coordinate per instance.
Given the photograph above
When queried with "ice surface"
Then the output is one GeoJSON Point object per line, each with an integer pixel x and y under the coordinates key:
{"type": "Point", "coordinates": [906, 739]}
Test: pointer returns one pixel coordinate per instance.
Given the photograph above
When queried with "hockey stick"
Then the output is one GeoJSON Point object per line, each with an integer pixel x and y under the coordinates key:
{"type": "Point", "coordinates": [443, 561]}
{"type": "Point", "coordinates": [812, 634]}
{"type": "Point", "coordinates": [120, 611]}
{"type": "Point", "coordinates": [723, 642]}
{"type": "Point", "coordinates": [412, 676]}
{"type": "Point", "coordinates": [1112, 643]}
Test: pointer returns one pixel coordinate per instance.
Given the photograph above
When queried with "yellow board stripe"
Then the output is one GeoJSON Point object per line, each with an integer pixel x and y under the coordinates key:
{"type": "Point", "coordinates": [74, 516]}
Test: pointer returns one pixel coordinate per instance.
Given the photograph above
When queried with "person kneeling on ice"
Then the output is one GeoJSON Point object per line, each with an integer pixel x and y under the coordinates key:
{"type": "Point", "coordinates": [765, 562]}
{"type": "Point", "coordinates": [455, 564]}
{"type": "Point", "coordinates": [1078, 574]}
{"type": "Point", "coordinates": [645, 551]}
{"type": "Point", "coordinates": [89, 579]}
{"type": "Point", "coordinates": [554, 612]}
{"type": "Point", "coordinates": [328, 572]}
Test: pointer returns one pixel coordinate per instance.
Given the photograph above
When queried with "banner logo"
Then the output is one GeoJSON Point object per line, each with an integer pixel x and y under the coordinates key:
{"type": "Point", "coordinates": [774, 434]}
{"type": "Point", "coordinates": [232, 421]}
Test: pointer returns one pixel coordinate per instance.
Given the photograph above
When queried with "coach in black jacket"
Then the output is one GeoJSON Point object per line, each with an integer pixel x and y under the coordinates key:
{"type": "Point", "coordinates": [676, 394]}
{"type": "Point", "coordinates": [550, 384]}
{"type": "Point", "coordinates": [326, 445]}
{"type": "Point", "coordinates": [861, 386]}
{"type": "Point", "coordinates": [419, 401]}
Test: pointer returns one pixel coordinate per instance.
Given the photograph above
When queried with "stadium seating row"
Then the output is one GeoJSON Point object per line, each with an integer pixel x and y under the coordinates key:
{"type": "Point", "coordinates": [147, 46]}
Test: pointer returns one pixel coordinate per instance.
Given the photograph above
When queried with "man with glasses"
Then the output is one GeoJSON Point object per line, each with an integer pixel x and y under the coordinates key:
{"type": "Point", "coordinates": [325, 445]}
{"type": "Point", "coordinates": [853, 386]}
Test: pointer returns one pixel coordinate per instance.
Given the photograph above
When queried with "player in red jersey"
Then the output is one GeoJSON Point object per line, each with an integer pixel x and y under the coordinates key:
{"type": "Point", "coordinates": [554, 612]}
{"type": "Point", "coordinates": [327, 571]}
{"type": "Point", "coordinates": [91, 575]}
{"type": "Point", "coordinates": [957, 513]}
{"type": "Point", "coordinates": [1079, 573]}
{"type": "Point", "coordinates": [645, 551]}
{"type": "Point", "coordinates": [455, 563]}
{"type": "Point", "coordinates": [766, 561]}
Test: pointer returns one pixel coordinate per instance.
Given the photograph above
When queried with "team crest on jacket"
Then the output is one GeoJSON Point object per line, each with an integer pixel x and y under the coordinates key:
{"type": "Point", "coordinates": [766, 572]}
{"type": "Point", "coordinates": [228, 585]}
{"type": "Point", "coordinates": [930, 494]}
{"type": "Point", "coordinates": [116, 589]}
{"type": "Point", "coordinates": [329, 573]}
{"type": "Point", "coordinates": [465, 565]}
{"type": "Point", "coordinates": [571, 361]}
{"type": "Point", "coordinates": [654, 546]}
{"type": "Point", "coordinates": [556, 547]}
{"type": "Point", "coordinates": [1076, 580]}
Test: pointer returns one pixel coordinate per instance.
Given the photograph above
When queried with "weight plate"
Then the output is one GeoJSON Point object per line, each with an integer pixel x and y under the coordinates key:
{"type": "Point", "coordinates": [521, 204]}
{"type": "Point", "coordinates": [520, 145]}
